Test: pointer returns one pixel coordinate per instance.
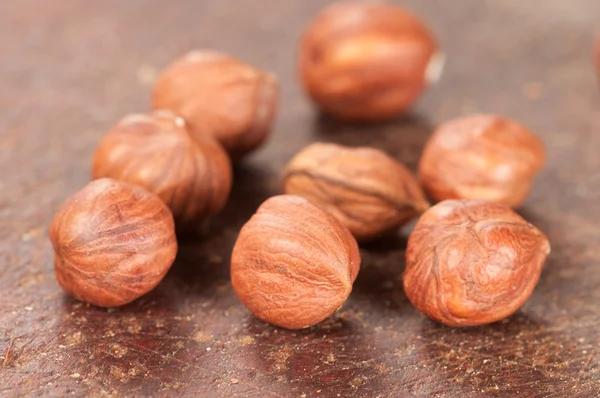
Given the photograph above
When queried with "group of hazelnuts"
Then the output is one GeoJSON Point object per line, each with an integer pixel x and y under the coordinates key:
{"type": "Point", "coordinates": [470, 259]}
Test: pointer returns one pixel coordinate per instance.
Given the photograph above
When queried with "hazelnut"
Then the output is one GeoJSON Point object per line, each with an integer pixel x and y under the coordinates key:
{"type": "Point", "coordinates": [471, 263]}
{"type": "Point", "coordinates": [367, 61]}
{"type": "Point", "coordinates": [113, 242]}
{"type": "Point", "coordinates": [155, 151]}
{"type": "Point", "coordinates": [481, 157]}
{"type": "Point", "coordinates": [293, 264]}
{"type": "Point", "coordinates": [221, 97]}
{"type": "Point", "coordinates": [366, 190]}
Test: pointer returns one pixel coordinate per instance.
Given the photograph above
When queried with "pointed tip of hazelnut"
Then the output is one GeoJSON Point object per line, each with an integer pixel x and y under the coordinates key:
{"type": "Point", "coordinates": [179, 121]}
{"type": "Point", "coordinates": [133, 118]}
{"type": "Point", "coordinates": [202, 55]}
{"type": "Point", "coordinates": [548, 248]}
{"type": "Point", "coordinates": [435, 68]}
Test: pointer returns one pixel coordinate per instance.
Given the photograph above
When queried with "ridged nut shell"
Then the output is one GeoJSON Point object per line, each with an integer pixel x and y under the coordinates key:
{"type": "Point", "coordinates": [481, 157]}
{"type": "Point", "coordinates": [367, 60]}
{"type": "Point", "coordinates": [365, 189]}
{"type": "Point", "coordinates": [155, 151]}
{"type": "Point", "coordinates": [221, 97]}
{"type": "Point", "coordinates": [113, 242]}
{"type": "Point", "coordinates": [472, 263]}
{"type": "Point", "coordinates": [293, 264]}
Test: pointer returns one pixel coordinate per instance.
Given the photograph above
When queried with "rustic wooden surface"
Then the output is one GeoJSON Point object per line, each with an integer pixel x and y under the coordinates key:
{"type": "Point", "coordinates": [69, 69]}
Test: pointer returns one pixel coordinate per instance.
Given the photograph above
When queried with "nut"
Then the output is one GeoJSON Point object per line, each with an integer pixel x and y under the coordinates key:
{"type": "Point", "coordinates": [221, 97]}
{"type": "Point", "coordinates": [293, 264]}
{"type": "Point", "coordinates": [366, 190]}
{"type": "Point", "coordinates": [113, 242]}
{"type": "Point", "coordinates": [481, 157]}
{"type": "Point", "coordinates": [367, 61]}
{"type": "Point", "coordinates": [155, 151]}
{"type": "Point", "coordinates": [471, 263]}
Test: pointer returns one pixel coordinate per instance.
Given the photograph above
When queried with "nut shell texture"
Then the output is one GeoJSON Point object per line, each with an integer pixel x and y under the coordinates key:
{"type": "Point", "coordinates": [155, 151]}
{"type": "Point", "coordinates": [481, 157]}
{"type": "Point", "coordinates": [472, 263]}
{"type": "Point", "coordinates": [221, 97]}
{"type": "Point", "coordinates": [366, 60]}
{"type": "Point", "coordinates": [366, 190]}
{"type": "Point", "coordinates": [113, 242]}
{"type": "Point", "coordinates": [293, 264]}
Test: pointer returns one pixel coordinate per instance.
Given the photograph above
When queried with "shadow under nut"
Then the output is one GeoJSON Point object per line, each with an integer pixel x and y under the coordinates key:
{"type": "Point", "coordinates": [472, 263]}
{"type": "Point", "coordinates": [113, 242]}
{"type": "Point", "coordinates": [293, 265]}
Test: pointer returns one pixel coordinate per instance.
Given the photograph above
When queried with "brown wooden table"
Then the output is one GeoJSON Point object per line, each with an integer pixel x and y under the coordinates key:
{"type": "Point", "coordinates": [69, 69]}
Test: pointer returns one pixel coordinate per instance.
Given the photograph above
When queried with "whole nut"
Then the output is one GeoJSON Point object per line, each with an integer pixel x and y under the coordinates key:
{"type": "Point", "coordinates": [366, 60]}
{"type": "Point", "coordinates": [481, 157]}
{"type": "Point", "coordinates": [113, 242]}
{"type": "Point", "coordinates": [293, 265]}
{"type": "Point", "coordinates": [220, 96]}
{"type": "Point", "coordinates": [471, 263]}
{"type": "Point", "coordinates": [367, 190]}
{"type": "Point", "coordinates": [155, 151]}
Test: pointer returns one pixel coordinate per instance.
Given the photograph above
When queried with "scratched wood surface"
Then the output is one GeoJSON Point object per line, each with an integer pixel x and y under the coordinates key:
{"type": "Point", "coordinates": [69, 69]}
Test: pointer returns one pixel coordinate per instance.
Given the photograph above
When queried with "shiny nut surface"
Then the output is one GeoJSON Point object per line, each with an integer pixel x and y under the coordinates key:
{"type": "Point", "coordinates": [293, 264]}
{"type": "Point", "coordinates": [155, 151]}
{"type": "Point", "coordinates": [367, 60]}
{"type": "Point", "coordinates": [472, 263]}
{"type": "Point", "coordinates": [481, 157]}
{"type": "Point", "coordinates": [113, 242]}
{"type": "Point", "coordinates": [221, 97]}
{"type": "Point", "coordinates": [364, 188]}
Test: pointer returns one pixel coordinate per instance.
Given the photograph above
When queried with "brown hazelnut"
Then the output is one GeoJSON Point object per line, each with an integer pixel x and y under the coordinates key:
{"type": "Point", "coordinates": [155, 151]}
{"type": "Point", "coordinates": [113, 242]}
{"type": "Point", "coordinates": [293, 264]}
{"type": "Point", "coordinates": [366, 190]}
{"type": "Point", "coordinates": [471, 263]}
{"type": "Point", "coordinates": [481, 157]}
{"type": "Point", "coordinates": [221, 97]}
{"type": "Point", "coordinates": [366, 60]}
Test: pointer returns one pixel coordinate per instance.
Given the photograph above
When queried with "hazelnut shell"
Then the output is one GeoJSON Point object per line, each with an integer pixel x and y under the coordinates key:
{"type": "Point", "coordinates": [481, 157]}
{"type": "Point", "coordinates": [113, 242]}
{"type": "Point", "coordinates": [155, 151]}
{"type": "Point", "coordinates": [472, 263]}
{"type": "Point", "coordinates": [221, 97]}
{"type": "Point", "coordinates": [293, 264]}
{"type": "Point", "coordinates": [367, 61]}
{"type": "Point", "coordinates": [365, 189]}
